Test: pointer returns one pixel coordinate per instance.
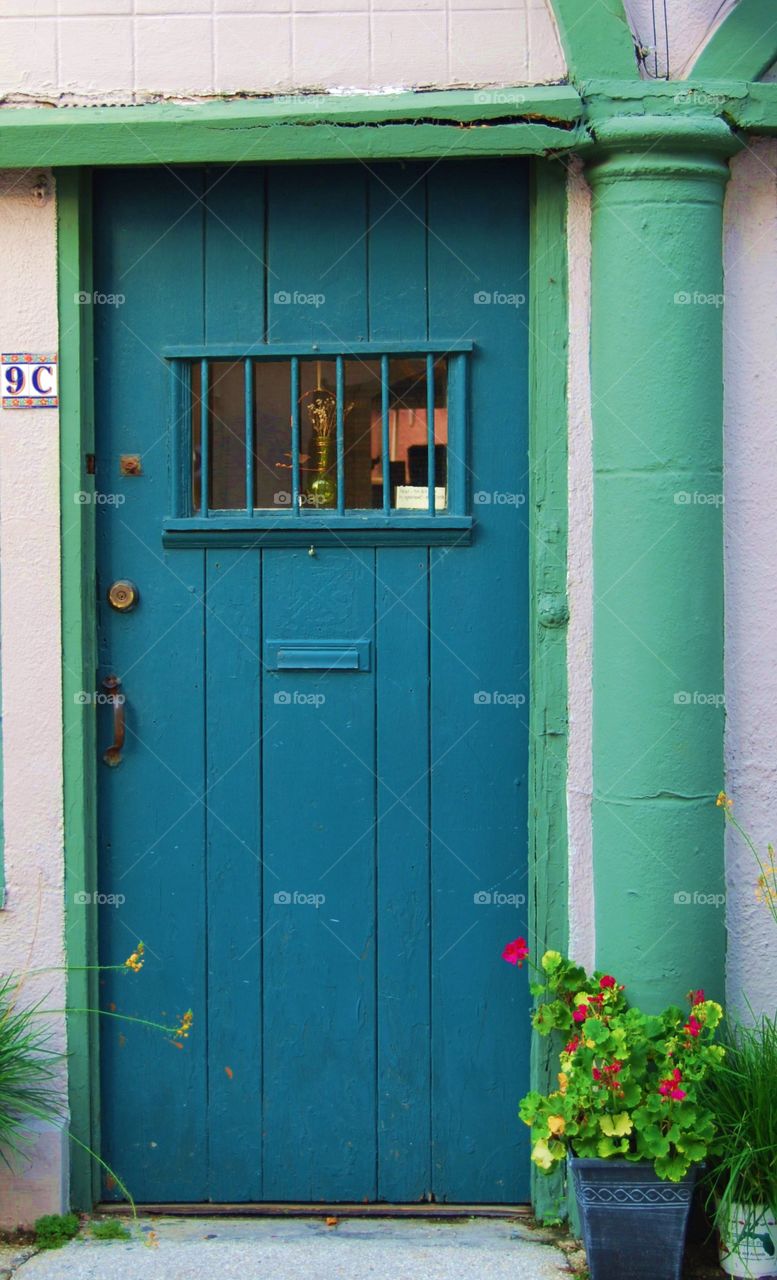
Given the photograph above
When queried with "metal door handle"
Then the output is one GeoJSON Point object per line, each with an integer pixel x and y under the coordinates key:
{"type": "Point", "coordinates": [112, 685]}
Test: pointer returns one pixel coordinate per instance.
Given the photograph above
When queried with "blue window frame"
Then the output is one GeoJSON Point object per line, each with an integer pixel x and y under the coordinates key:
{"type": "Point", "coordinates": [311, 443]}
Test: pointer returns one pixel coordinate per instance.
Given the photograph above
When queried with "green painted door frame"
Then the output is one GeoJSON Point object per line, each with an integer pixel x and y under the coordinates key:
{"type": "Point", "coordinates": [548, 520]}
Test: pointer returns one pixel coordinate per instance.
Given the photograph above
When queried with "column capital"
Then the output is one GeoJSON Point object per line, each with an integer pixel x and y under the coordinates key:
{"type": "Point", "coordinates": [694, 147]}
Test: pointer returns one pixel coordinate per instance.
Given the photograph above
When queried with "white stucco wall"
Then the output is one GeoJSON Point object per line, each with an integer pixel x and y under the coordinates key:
{"type": "Point", "coordinates": [31, 925]}
{"type": "Point", "coordinates": [129, 50]}
{"type": "Point", "coordinates": [751, 560]}
{"type": "Point", "coordinates": [674, 33]}
{"type": "Point", "coordinates": [582, 940]}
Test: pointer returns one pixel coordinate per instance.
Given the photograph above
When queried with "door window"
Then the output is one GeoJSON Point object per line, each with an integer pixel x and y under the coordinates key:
{"type": "Point", "coordinates": [319, 437]}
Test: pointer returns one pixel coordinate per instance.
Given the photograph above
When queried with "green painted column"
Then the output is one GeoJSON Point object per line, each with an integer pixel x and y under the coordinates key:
{"type": "Point", "coordinates": [656, 366]}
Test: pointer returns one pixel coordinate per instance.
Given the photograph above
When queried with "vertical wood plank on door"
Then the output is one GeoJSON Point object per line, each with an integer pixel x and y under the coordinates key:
{"type": "Point", "coordinates": [397, 305]}
{"type": "Point", "coordinates": [151, 817]}
{"type": "Point", "coordinates": [479, 646]}
{"type": "Point", "coordinates": [316, 254]}
{"type": "Point", "coordinates": [233, 940]}
{"type": "Point", "coordinates": [234, 313]}
{"type": "Point", "coordinates": [319, 770]}
{"type": "Point", "coordinates": [235, 277]}
{"type": "Point", "coordinates": [319, 788]}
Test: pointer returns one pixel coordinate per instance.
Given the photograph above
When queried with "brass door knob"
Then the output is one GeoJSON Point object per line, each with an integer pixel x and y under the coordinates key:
{"type": "Point", "coordinates": [123, 595]}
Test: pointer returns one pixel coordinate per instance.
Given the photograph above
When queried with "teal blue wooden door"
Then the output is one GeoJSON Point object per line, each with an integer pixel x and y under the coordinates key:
{"type": "Point", "coordinates": [317, 825]}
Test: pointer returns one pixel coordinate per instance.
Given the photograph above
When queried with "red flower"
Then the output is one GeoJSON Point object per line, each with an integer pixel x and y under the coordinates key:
{"type": "Point", "coordinates": [692, 1026]}
{"type": "Point", "coordinates": [608, 1074]}
{"type": "Point", "coordinates": [581, 1013]}
{"type": "Point", "coordinates": [669, 1088]}
{"type": "Point", "coordinates": [607, 982]}
{"type": "Point", "coordinates": [696, 997]}
{"type": "Point", "coordinates": [516, 952]}
{"type": "Point", "coordinates": [573, 1044]}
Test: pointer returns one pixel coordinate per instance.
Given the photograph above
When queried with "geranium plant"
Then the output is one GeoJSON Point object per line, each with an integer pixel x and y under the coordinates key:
{"type": "Point", "coordinates": [629, 1084]}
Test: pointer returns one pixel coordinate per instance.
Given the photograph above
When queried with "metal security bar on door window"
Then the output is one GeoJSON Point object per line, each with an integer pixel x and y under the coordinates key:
{"type": "Point", "coordinates": [319, 436]}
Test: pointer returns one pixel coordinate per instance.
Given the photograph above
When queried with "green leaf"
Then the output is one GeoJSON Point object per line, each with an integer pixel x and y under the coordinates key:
{"type": "Point", "coordinates": [616, 1126]}
{"type": "Point", "coordinates": [674, 1167]}
{"type": "Point", "coordinates": [606, 1147]}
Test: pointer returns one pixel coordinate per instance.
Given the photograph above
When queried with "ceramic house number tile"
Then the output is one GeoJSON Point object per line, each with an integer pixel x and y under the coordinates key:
{"type": "Point", "coordinates": [28, 381]}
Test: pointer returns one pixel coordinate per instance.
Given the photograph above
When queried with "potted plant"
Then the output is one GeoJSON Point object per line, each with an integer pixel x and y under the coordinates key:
{"type": "Point", "coordinates": [743, 1171]}
{"type": "Point", "coordinates": [627, 1114]}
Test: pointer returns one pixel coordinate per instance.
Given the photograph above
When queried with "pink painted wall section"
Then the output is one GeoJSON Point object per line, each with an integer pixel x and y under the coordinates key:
{"type": "Point", "coordinates": [32, 923]}
{"type": "Point", "coordinates": [751, 559]}
{"type": "Point", "coordinates": [133, 50]}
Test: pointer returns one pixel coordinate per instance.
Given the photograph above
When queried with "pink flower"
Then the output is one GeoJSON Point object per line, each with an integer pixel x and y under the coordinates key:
{"type": "Point", "coordinates": [696, 997]}
{"type": "Point", "coordinates": [516, 952]}
{"type": "Point", "coordinates": [692, 1026]}
{"type": "Point", "coordinates": [607, 982]}
{"type": "Point", "coordinates": [573, 1044]}
{"type": "Point", "coordinates": [581, 1013]}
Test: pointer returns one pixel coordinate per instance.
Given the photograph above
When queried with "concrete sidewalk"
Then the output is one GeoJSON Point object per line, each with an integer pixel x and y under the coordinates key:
{"type": "Point", "coordinates": [305, 1249]}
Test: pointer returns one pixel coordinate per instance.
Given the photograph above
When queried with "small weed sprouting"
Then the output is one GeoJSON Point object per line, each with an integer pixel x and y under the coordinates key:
{"type": "Point", "coordinates": [55, 1229]}
{"type": "Point", "coordinates": [109, 1229]}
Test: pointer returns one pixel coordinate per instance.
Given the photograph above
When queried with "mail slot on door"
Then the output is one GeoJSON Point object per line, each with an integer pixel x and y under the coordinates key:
{"type": "Point", "coordinates": [317, 655]}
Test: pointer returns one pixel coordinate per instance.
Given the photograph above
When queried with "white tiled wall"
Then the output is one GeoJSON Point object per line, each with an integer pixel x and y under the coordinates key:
{"type": "Point", "coordinates": [128, 50]}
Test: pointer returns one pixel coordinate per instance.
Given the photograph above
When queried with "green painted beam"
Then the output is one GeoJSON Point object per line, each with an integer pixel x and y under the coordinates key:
{"type": "Point", "coordinates": [548, 852]}
{"type": "Point", "coordinates": [524, 120]}
{"type": "Point", "coordinates": [79, 663]}
{"type": "Point", "coordinates": [744, 45]}
{"type": "Point", "coordinates": [657, 397]}
{"type": "Point", "coordinates": [596, 38]}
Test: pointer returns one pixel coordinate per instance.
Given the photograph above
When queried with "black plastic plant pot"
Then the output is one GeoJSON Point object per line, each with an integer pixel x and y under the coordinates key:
{"type": "Point", "coordinates": [633, 1222]}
